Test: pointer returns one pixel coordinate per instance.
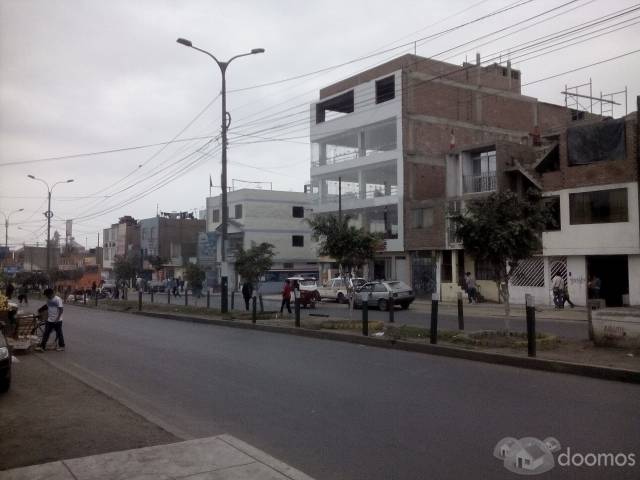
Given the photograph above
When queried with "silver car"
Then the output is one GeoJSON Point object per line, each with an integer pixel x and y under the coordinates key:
{"type": "Point", "coordinates": [383, 294]}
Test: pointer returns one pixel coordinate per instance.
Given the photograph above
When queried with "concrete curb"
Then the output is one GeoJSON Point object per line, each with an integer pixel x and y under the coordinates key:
{"type": "Point", "coordinates": [605, 373]}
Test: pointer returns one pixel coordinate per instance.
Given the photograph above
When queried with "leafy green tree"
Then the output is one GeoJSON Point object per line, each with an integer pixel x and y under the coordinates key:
{"type": "Point", "coordinates": [195, 277]}
{"type": "Point", "coordinates": [157, 262]}
{"type": "Point", "coordinates": [502, 229]}
{"type": "Point", "coordinates": [254, 262]}
{"type": "Point", "coordinates": [126, 267]}
{"type": "Point", "coordinates": [349, 246]}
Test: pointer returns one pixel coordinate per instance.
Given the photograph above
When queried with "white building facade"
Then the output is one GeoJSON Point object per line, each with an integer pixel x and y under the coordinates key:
{"type": "Point", "coordinates": [357, 164]}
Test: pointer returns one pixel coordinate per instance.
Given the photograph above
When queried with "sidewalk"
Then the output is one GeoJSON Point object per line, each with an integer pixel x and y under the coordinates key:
{"type": "Point", "coordinates": [221, 457]}
{"type": "Point", "coordinates": [48, 417]}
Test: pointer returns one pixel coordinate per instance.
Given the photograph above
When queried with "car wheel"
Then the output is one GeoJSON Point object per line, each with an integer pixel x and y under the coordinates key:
{"type": "Point", "coordinates": [383, 304]}
{"type": "Point", "coordinates": [404, 306]}
{"type": "Point", "coordinates": [340, 298]}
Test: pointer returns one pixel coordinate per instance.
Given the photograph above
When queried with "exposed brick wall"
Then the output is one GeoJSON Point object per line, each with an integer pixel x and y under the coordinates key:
{"type": "Point", "coordinates": [432, 238]}
{"type": "Point", "coordinates": [598, 173]}
{"type": "Point", "coordinates": [489, 76]}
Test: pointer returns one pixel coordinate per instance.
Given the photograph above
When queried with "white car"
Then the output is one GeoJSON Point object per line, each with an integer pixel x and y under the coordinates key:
{"type": "Point", "coordinates": [336, 289]}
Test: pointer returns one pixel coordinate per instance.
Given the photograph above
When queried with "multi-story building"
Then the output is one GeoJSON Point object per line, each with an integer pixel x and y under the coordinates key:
{"type": "Point", "coordinates": [172, 237]}
{"type": "Point", "coordinates": [121, 239]}
{"type": "Point", "coordinates": [271, 216]}
{"type": "Point", "coordinates": [402, 145]}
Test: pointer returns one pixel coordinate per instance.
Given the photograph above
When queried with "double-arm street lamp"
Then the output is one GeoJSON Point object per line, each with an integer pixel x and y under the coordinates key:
{"type": "Point", "coordinates": [226, 121]}
{"type": "Point", "coordinates": [49, 214]}
{"type": "Point", "coordinates": [6, 225]}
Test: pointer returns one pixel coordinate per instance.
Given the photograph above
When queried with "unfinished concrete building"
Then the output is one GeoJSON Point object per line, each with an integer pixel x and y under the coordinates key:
{"type": "Point", "coordinates": [404, 144]}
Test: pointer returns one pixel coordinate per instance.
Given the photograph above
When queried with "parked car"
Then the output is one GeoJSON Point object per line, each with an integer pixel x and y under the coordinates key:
{"type": "Point", "coordinates": [336, 288]}
{"type": "Point", "coordinates": [5, 364]}
{"type": "Point", "coordinates": [381, 294]}
{"type": "Point", "coordinates": [309, 295]}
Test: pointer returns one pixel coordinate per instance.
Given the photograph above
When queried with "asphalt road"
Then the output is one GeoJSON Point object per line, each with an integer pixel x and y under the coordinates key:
{"type": "Point", "coordinates": [574, 329]}
{"type": "Point", "coordinates": [341, 411]}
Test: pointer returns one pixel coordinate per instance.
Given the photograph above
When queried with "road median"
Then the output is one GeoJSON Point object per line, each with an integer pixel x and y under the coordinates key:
{"type": "Point", "coordinates": [612, 364]}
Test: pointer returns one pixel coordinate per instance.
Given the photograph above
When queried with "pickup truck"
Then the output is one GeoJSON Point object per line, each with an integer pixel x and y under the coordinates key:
{"type": "Point", "coordinates": [336, 289]}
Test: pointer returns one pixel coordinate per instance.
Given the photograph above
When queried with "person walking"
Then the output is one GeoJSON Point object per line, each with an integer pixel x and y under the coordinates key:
{"type": "Point", "coordinates": [565, 296]}
{"type": "Point", "coordinates": [54, 308]}
{"type": "Point", "coordinates": [472, 288]}
{"type": "Point", "coordinates": [247, 293]}
{"type": "Point", "coordinates": [286, 296]}
{"type": "Point", "coordinates": [557, 284]}
{"type": "Point", "coordinates": [22, 294]}
{"type": "Point", "coordinates": [8, 291]}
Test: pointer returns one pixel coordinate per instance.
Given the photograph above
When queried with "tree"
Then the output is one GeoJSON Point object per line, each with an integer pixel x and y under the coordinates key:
{"type": "Point", "coordinates": [157, 262]}
{"type": "Point", "coordinates": [254, 262]}
{"type": "Point", "coordinates": [349, 246]}
{"type": "Point", "coordinates": [195, 277]}
{"type": "Point", "coordinates": [126, 267]}
{"type": "Point", "coordinates": [502, 229]}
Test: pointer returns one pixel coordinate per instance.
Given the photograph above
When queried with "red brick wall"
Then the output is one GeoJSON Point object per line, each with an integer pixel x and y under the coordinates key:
{"type": "Point", "coordinates": [598, 173]}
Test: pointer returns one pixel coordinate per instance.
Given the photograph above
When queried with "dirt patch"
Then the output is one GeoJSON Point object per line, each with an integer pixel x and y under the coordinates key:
{"type": "Point", "coordinates": [48, 415]}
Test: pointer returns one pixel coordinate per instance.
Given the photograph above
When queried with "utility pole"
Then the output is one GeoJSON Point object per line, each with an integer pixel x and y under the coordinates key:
{"type": "Point", "coordinates": [6, 225]}
{"type": "Point", "coordinates": [226, 120]}
{"type": "Point", "coordinates": [49, 214]}
{"type": "Point", "coordinates": [340, 199]}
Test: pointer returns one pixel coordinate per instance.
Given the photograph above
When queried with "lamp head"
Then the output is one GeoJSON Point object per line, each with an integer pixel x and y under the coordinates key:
{"type": "Point", "coordinates": [185, 42]}
{"type": "Point", "coordinates": [31, 177]}
{"type": "Point", "coordinates": [70, 180]}
{"type": "Point", "coordinates": [257, 50]}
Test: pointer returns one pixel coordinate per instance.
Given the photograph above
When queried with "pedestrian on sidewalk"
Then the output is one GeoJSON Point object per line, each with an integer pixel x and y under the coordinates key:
{"type": "Point", "coordinates": [286, 296]}
{"type": "Point", "coordinates": [472, 289]}
{"type": "Point", "coordinates": [565, 296]}
{"type": "Point", "coordinates": [557, 284]}
{"type": "Point", "coordinates": [22, 294]}
{"type": "Point", "coordinates": [247, 292]}
{"type": "Point", "coordinates": [54, 320]}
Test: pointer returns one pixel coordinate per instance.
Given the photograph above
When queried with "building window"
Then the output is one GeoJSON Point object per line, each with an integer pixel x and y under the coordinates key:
{"type": "Point", "coordinates": [484, 270]}
{"type": "Point", "coordinates": [297, 241]}
{"type": "Point", "coordinates": [287, 266]}
{"type": "Point", "coordinates": [238, 212]}
{"type": "Point", "coordinates": [385, 89]}
{"type": "Point", "coordinates": [552, 204]}
{"type": "Point", "coordinates": [422, 217]}
{"type": "Point", "coordinates": [215, 216]}
{"type": "Point", "coordinates": [335, 107]}
{"type": "Point", "coordinates": [298, 212]}
{"type": "Point", "coordinates": [602, 206]}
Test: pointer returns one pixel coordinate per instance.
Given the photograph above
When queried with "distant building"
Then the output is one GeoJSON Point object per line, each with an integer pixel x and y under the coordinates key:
{"type": "Point", "coordinates": [172, 237]}
{"type": "Point", "coordinates": [121, 239]}
{"type": "Point", "coordinates": [271, 216]}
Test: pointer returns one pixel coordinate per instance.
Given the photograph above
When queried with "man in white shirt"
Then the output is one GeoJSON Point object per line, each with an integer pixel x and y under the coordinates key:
{"type": "Point", "coordinates": [54, 320]}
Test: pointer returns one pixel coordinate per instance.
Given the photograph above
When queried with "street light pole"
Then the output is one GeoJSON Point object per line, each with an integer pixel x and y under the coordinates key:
{"type": "Point", "coordinates": [49, 214]}
{"type": "Point", "coordinates": [223, 180]}
{"type": "Point", "coordinates": [6, 226]}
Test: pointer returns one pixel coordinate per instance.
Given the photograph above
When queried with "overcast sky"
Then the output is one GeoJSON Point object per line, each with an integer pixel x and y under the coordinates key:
{"type": "Point", "coordinates": [85, 76]}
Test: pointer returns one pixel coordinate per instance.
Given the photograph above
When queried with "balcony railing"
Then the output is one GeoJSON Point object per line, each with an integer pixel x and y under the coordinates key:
{"type": "Point", "coordinates": [485, 182]}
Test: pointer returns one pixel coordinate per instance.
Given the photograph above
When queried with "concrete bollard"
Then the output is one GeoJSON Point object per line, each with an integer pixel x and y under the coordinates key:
{"type": "Point", "coordinates": [254, 310]}
{"type": "Point", "coordinates": [296, 309]}
{"type": "Point", "coordinates": [365, 316]}
{"type": "Point", "coordinates": [434, 319]}
{"type": "Point", "coordinates": [460, 312]}
{"type": "Point", "coordinates": [531, 325]}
